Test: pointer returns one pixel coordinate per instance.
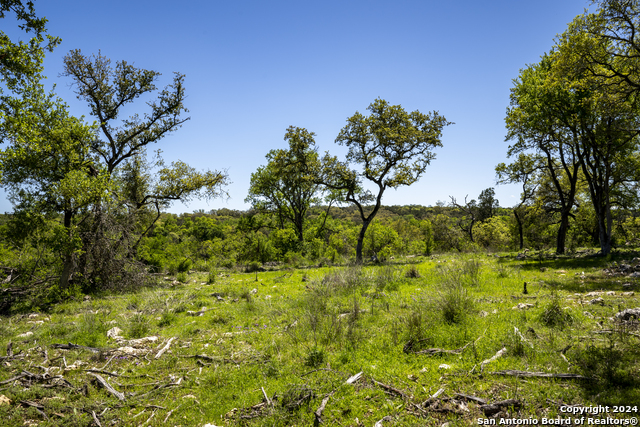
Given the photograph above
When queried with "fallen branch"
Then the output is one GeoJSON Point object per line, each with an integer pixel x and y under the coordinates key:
{"type": "Point", "coordinates": [469, 398]}
{"type": "Point", "coordinates": [95, 418]}
{"type": "Point", "coordinates": [165, 348]}
{"type": "Point", "coordinates": [437, 351]}
{"type": "Point", "coordinates": [495, 356]}
{"type": "Point", "coordinates": [494, 408]}
{"type": "Point", "coordinates": [318, 413]}
{"type": "Point", "coordinates": [106, 385]}
{"type": "Point", "coordinates": [70, 346]}
{"type": "Point", "coordinates": [379, 422]}
{"type": "Point", "coordinates": [171, 412]}
{"type": "Point", "coordinates": [391, 390]}
{"type": "Point", "coordinates": [510, 372]}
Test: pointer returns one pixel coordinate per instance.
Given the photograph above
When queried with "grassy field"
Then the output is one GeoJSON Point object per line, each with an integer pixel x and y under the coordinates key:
{"type": "Point", "coordinates": [420, 341]}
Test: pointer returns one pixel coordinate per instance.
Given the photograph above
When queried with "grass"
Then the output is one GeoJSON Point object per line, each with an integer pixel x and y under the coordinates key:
{"type": "Point", "coordinates": [297, 335]}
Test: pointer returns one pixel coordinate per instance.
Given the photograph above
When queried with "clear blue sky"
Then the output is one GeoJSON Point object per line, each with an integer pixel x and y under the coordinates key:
{"type": "Point", "coordinates": [253, 68]}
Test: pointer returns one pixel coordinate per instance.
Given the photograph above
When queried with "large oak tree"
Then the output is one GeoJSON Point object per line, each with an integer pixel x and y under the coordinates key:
{"type": "Point", "coordinates": [389, 148]}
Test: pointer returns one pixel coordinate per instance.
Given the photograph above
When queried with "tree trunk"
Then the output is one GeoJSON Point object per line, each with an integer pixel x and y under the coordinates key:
{"type": "Point", "coordinates": [520, 228]}
{"type": "Point", "coordinates": [360, 244]}
{"type": "Point", "coordinates": [69, 258]}
{"type": "Point", "coordinates": [562, 232]}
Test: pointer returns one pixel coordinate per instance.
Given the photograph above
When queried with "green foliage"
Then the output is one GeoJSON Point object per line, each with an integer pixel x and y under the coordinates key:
{"type": "Point", "coordinates": [389, 155]}
{"type": "Point", "coordinates": [554, 315]}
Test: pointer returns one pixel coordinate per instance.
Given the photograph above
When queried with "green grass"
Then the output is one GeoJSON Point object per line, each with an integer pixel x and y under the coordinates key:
{"type": "Point", "coordinates": [299, 340]}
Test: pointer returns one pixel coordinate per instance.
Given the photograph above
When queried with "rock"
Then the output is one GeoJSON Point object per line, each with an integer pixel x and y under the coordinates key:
{"type": "Point", "coordinates": [598, 301]}
{"type": "Point", "coordinates": [483, 314]}
{"type": "Point", "coordinates": [522, 306]}
{"type": "Point", "coordinates": [142, 341]}
{"type": "Point", "coordinates": [253, 291]}
{"type": "Point", "coordinates": [25, 335]}
{"type": "Point", "coordinates": [114, 333]}
{"type": "Point", "coordinates": [4, 400]}
{"type": "Point", "coordinates": [634, 274]}
{"type": "Point", "coordinates": [86, 298]}
{"type": "Point", "coordinates": [589, 315]}
{"type": "Point", "coordinates": [444, 366]}
{"type": "Point", "coordinates": [628, 314]}
{"type": "Point", "coordinates": [627, 286]}
{"type": "Point", "coordinates": [628, 294]}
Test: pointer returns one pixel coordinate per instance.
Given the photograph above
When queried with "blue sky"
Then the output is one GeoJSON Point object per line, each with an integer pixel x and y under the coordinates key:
{"type": "Point", "coordinates": [253, 68]}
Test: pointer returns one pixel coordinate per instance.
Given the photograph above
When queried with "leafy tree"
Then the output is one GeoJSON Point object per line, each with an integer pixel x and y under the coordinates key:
{"type": "Point", "coordinates": [544, 118]}
{"type": "Point", "coordinates": [476, 211]}
{"type": "Point", "coordinates": [104, 188]}
{"type": "Point", "coordinates": [392, 148]}
{"type": "Point", "coordinates": [21, 62]}
{"type": "Point", "coordinates": [288, 185]}
{"type": "Point", "coordinates": [609, 122]}
{"type": "Point", "coordinates": [487, 204]}
{"type": "Point", "coordinates": [524, 169]}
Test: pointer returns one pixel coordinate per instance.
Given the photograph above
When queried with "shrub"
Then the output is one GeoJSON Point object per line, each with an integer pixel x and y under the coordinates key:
{"type": "Point", "coordinates": [412, 272]}
{"type": "Point", "coordinates": [138, 326]}
{"type": "Point", "coordinates": [554, 315]}
{"type": "Point", "coordinates": [182, 277]}
{"type": "Point", "coordinates": [315, 358]}
{"type": "Point", "coordinates": [184, 265]}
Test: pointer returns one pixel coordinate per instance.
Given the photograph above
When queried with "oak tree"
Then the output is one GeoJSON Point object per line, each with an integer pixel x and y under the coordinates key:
{"type": "Point", "coordinates": [389, 148]}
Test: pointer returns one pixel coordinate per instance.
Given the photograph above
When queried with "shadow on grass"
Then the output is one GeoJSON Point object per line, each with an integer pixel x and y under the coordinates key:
{"type": "Point", "coordinates": [613, 369]}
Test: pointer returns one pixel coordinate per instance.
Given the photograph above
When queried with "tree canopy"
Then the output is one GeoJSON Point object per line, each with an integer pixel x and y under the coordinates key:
{"type": "Point", "coordinates": [389, 148]}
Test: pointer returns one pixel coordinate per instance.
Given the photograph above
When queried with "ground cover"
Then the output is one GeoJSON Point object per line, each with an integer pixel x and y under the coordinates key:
{"type": "Point", "coordinates": [420, 341]}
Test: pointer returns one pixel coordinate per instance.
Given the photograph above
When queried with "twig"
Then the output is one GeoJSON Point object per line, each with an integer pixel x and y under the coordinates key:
{"type": "Point", "coordinates": [108, 361]}
{"type": "Point", "coordinates": [379, 422]}
{"type": "Point", "coordinates": [165, 348]}
{"type": "Point", "coordinates": [495, 356]}
{"type": "Point", "coordinates": [391, 390]}
{"type": "Point", "coordinates": [149, 419]}
{"type": "Point", "coordinates": [95, 418]}
{"type": "Point", "coordinates": [171, 412]}
{"type": "Point", "coordinates": [106, 385]}
{"type": "Point", "coordinates": [515, 373]}
{"type": "Point", "coordinates": [354, 378]}
{"type": "Point", "coordinates": [496, 407]}
{"type": "Point", "coordinates": [318, 413]}
{"type": "Point", "coordinates": [264, 393]}
{"type": "Point", "coordinates": [470, 398]}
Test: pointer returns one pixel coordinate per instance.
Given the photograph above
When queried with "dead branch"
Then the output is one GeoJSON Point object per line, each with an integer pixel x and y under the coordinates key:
{"type": "Point", "coordinates": [95, 418]}
{"type": "Point", "coordinates": [495, 356]}
{"type": "Point", "coordinates": [106, 385]}
{"type": "Point", "coordinates": [411, 344]}
{"type": "Point", "coordinates": [494, 408]}
{"type": "Point", "coordinates": [318, 413]}
{"type": "Point", "coordinates": [391, 390]}
{"type": "Point", "coordinates": [70, 346]}
{"type": "Point", "coordinates": [379, 422]}
{"type": "Point", "coordinates": [171, 412]}
{"type": "Point", "coordinates": [515, 373]}
{"type": "Point", "coordinates": [469, 398]}
{"type": "Point", "coordinates": [165, 348]}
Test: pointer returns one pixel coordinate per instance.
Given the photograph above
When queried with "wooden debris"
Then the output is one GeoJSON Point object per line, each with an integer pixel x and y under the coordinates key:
{"type": "Point", "coordinates": [165, 348]}
{"type": "Point", "coordinates": [409, 348]}
{"type": "Point", "coordinates": [469, 398]}
{"type": "Point", "coordinates": [170, 413]}
{"type": "Point", "coordinates": [318, 413]}
{"type": "Point", "coordinates": [494, 408]}
{"type": "Point", "coordinates": [108, 386]}
{"type": "Point", "coordinates": [70, 346]}
{"type": "Point", "coordinates": [391, 390]}
{"type": "Point", "coordinates": [379, 422]}
{"type": "Point", "coordinates": [95, 418]}
{"type": "Point", "coordinates": [515, 373]}
{"type": "Point", "coordinates": [354, 378]}
{"type": "Point", "coordinates": [495, 356]}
